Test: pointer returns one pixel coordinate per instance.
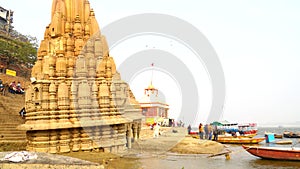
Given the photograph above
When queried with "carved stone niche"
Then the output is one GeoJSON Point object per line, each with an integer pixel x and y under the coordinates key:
{"type": "Point", "coordinates": [37, 97]}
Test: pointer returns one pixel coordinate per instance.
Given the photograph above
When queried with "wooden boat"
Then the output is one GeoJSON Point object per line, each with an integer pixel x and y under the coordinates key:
{"type": "Point", "coordinates": [284, 142]}
{"type": "Point", "coordinates": [288, 134]}
{"type": "Point", "coordinates": [248, 128]}
{"type": "Point", "coordinates": [277, 153]}
{"type": "Point", "coordinates": [238, 140]}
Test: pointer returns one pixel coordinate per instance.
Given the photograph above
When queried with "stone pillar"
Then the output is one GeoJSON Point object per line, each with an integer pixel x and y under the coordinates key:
{"type": "Point", "coordinates": [63, 96]}
{"type": "Point", "coordinates": [64, 141]}
{"type": "Point", "coordinates": [139, 129]}
{"type": "Point", "coordinates": [95, 104]}
{"type": "Point", "coordinates": [85, 143]}
{"type": "Point", "coordinates": [114, 138]}
{"type": "Point", "coordinates": [29, 146]}
{"type": "Point", "coordinates": [75, 142]}
{"type": "Point", "coordinates": [135, 131]}
{"type": "Point", "coordinates": [84, 95]}
{"type": "Point", "coordinates": [52, 99]}
{"type": "Point", "coordinates": [52, 61]}
{"type": "Point", "coordinates": [70, 54]}
{"type": "Point", "coordinates": [40, 141]}
{"type": "Point", "coordinates": [104, 101]}
{"type": "Point", "coordinates": [73, 96]}
{"type": "Point", "coordinates": [96, 138]}
{"type": "Point", "coordinates": [106, 141]}
{"type": "Point", "coordinates": [129, 134]}
{"type": "Point", "coordinates": [45, 93]}
{"type": "Point", "coordinates": [61, 65]}
{"type": "Point", "coordinates": [53, 141]}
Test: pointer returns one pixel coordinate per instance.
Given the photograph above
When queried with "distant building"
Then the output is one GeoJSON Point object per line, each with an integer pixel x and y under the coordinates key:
{"type": "Point", "coordinates": [6, 19]}
{"type": "Point", "coordinates": [153, 107]}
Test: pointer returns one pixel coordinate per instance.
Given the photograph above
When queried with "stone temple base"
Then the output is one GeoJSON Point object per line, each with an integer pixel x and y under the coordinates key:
{"type": "Point", "coordinates": [99, 138]}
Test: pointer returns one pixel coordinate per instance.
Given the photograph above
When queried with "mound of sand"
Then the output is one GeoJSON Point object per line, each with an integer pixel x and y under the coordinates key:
{"type": "Point", "coordinates": [190, 145]}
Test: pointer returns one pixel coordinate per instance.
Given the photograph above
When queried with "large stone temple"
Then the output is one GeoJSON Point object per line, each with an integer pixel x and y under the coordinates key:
{"type": "Point", "coordinates": [77, 100]}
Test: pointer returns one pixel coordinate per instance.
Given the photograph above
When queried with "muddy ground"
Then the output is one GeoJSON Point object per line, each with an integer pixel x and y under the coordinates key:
{"type": "Point", "coordinates": [171, 140]}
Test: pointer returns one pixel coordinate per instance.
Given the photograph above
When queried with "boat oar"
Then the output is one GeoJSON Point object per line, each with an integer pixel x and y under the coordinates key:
{"type": "Point", "coordinates": [226, 153]}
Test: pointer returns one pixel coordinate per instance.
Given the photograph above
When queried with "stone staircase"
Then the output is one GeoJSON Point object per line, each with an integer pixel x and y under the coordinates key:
{"type": "Point", "coordinates": [10, 105]}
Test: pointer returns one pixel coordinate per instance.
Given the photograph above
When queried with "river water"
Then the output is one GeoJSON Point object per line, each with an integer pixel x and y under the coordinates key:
{"type": "Point", "coordinates": [239, 159]}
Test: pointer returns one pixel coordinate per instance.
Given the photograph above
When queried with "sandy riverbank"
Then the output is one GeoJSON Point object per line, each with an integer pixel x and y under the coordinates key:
{"type": "Point", "coordinates": [171, 140]}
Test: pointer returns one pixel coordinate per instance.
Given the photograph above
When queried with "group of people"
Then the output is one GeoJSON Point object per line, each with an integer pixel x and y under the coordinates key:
{"type": "Point", "coordinates": [15, 88]}
{"type": "Point", "coordinates": [207, 131]}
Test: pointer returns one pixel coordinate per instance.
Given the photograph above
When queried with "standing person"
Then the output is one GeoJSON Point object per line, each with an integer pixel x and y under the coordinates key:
{"type": "Point", "coordinates": [210, 130]}
{"type": "Point", "coordinates": [189, 129]}
{"type": "Point", "coordinates": [206, 131]}
{"type": "Point", "coordinates": [201, 131]}
{"type": "Point", "coordinates": [156, 131]}
{"type": "Point", "coordinates": [215, 132]}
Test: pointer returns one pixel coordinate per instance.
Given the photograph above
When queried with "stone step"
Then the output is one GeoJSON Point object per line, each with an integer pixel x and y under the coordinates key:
{"type": "Point", "coordinates": [12, 132]}
{"type": "Point", "coordinates": [13, 141]}
{"type": "Point", "coordinates": [18, 118]}
{"type": "Point", "coordinates": [9, 129]}
{"type": "Point", "coordinates": [15, 138]}
{"type": "Point", "coordinates": [7, 126]}
{"type": "Point", "coordinates": [10, 123]}
{"type": "Point", "coordinates": [11, 118]}
{"type": "Point", "coordinates": [15, 120]}
{"type": "Point", "coordinates": [9, 115]}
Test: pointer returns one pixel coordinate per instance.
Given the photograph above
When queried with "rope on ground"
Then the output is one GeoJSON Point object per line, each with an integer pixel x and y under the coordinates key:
{"type": "Point", "coordinates": [228, 152]}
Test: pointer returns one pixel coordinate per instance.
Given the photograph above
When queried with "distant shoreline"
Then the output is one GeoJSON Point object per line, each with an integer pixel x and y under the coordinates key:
{"type": "Point", "coordinates": [279, 126]}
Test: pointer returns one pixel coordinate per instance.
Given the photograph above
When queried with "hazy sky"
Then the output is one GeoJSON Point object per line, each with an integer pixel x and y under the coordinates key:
{"type": "Point", "coordinates": [257, 42]}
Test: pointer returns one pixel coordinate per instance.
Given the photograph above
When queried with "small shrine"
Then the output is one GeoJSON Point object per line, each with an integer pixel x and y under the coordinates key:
{"type": "Point", "coordinates": [153, 106]}
{"type": "Point", "coordinates": [77, 100]}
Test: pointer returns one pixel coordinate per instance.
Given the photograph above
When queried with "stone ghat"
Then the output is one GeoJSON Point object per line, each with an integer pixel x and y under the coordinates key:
{"type": "Point", "coordinates": [102, 138]}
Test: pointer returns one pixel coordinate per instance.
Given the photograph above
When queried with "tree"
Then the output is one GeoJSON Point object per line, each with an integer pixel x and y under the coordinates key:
{"type": "Point", "coordinates": [19, 52]}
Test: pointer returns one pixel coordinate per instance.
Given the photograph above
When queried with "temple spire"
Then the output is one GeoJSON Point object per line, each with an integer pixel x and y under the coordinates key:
{"type": "Point", "coordinates": [77, 91]}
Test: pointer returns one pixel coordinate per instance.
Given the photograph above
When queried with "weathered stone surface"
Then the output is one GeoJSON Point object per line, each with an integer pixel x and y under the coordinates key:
{"type": "Point", "coordinates": [77, 100]}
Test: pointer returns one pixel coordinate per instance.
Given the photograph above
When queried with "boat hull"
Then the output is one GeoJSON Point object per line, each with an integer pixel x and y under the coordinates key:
{"type": "Point", "coordinates": [291, 135]}
{"type": "Point", "coordinates": [274, 153]}
{"type": "Point", "coordinates": [240, 140]}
